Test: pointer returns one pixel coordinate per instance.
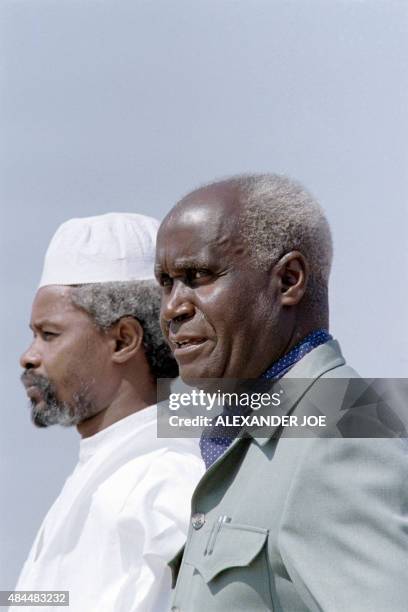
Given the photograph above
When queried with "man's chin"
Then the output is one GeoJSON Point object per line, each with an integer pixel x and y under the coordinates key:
{"type": "Point", "coordinates": [39, 417]}
{"type": "Point", "coordinates": [43, 415]}
{"type": "Point", "coordinates": [38, 422]}
{"type": "Point", "coordinates": [200, 378]}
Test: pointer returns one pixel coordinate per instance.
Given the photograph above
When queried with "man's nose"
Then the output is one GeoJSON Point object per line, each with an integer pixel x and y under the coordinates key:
{"type": "Point", "coordinates": [178, 305]}
{"type": "Point", "coordinates": [30, 358]}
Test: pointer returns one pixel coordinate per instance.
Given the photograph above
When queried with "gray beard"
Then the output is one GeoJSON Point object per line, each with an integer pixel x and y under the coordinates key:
{"type": "Point", "coordinates": [51, 411]}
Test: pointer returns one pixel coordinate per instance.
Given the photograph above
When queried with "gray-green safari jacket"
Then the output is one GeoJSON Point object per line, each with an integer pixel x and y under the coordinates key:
{"type": "Point", "coordinates": [288, 524]}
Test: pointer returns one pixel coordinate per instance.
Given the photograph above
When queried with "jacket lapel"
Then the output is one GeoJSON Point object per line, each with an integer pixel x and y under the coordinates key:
{"type": "Point", "coordinates": [295, 384]}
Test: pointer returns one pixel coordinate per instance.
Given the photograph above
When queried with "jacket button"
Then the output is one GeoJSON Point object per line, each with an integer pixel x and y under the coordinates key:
{"type": "Point", "coordinates": [198, 520]}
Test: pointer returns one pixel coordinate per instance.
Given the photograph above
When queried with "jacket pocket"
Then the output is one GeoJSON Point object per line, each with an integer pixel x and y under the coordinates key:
{"type": "Point", "coordinates": [235, 545]}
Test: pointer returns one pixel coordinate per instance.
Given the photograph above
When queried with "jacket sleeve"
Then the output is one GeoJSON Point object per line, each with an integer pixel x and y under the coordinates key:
{"type": "Point", "coordinates": [343, 537]}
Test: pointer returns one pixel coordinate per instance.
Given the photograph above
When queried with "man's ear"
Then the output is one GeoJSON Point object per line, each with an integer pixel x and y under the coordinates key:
{"type": "Point", "coordinates": [127, 334]}
{"type": "Point", "coordinates": [292, 272]}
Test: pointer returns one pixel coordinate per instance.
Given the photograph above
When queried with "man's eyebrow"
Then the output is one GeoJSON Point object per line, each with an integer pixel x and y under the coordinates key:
{"type": "Point", "coordinates": [44, 322]}
{"type": "Point", "coordinates": [190, 262]}
{"type": "Point", "coordinates": [183, 263]}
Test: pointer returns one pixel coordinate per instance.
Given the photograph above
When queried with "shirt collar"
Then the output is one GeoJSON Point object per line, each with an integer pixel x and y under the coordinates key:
{"type": "Point", "coordinates": [285, 363]}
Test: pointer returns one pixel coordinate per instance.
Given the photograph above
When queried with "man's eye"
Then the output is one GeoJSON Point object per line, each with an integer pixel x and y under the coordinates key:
{"type": "Point", "coordinates": [199, 274]}
{"type": "Point", "coordinates": [47, 335]}
{"type": "Point", "coordinates": [165, 280]}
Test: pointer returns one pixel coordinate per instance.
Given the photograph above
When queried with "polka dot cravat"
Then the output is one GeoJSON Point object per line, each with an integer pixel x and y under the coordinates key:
{"type": "Point", "coordinates": [214, 442]}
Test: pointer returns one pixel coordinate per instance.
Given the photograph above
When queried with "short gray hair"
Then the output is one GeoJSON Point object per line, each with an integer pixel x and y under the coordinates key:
{"type": "Point", "coordinates": [279, 215]}
{"type": "Point", "coordinates": [106, 303]}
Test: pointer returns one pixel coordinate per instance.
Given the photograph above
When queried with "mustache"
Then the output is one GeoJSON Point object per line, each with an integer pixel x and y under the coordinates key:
{"type": "Point", "coordinates": [31, 379]}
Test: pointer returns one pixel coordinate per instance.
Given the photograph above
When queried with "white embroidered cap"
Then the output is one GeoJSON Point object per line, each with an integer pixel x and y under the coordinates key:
{"type": "Point", "coordinates": [111, 247]}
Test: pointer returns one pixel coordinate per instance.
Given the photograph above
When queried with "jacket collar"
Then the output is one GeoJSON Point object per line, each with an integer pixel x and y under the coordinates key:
{"type": "Point", "coordinates": [298, 381]}
{"type": "Point", "coordinates": [320, 360]}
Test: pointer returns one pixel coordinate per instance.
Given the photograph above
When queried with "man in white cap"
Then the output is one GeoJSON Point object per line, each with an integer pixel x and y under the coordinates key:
{"type": "Point", "coordinates": [93, 363]}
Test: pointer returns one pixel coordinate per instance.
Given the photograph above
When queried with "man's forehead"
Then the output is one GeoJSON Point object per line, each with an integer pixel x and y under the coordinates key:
{"type": "Point", "coordinates": [191, 214]}
{"type": "Point", "coordinates": [200, 227]}
{"type": "Point", "coordinates": [208, 212]}
{"type": "Point", "coordinates": [189, 249]}
{"type": "Point", "coordinates": [53, 301]}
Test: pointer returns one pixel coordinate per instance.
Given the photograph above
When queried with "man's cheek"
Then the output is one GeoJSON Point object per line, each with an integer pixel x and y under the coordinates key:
{"type": "Point", "coordinates": [70, 379]}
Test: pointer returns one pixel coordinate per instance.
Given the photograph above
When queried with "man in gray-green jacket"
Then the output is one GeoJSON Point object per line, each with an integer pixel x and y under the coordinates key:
{"type": "Point", "coordinates": [279, 521]}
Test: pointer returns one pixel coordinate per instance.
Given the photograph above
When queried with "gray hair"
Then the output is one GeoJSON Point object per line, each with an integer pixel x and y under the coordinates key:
{"type": "Point", "coordinates": [280, 216]}
{"type": "Point", "coordinates": [277, 216]}
{"type": "Point", "coordinates": [106, 303]}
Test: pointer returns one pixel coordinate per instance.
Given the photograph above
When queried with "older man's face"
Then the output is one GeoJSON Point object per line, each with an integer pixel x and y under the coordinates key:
{"type": "Point", "coordinates": [219, 312]}
{"type": "Point", "coordinates": [65, 367]}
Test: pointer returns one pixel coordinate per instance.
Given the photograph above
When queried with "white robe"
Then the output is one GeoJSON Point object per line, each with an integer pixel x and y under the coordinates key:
{"type": "Point", "coordinates": [120, 517]}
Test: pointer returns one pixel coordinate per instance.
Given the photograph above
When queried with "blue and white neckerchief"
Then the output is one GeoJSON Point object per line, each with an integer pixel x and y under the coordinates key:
{"type": "Point", "coordinates": [212, 447]}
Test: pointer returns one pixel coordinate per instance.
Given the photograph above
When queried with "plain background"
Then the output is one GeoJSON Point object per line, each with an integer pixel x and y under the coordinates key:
{"type": "Point", "coordinates": [125, 105]}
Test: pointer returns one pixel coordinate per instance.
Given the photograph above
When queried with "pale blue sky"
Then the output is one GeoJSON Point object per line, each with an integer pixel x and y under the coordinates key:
{"type": "Point", "coordinates": [127, 104]}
